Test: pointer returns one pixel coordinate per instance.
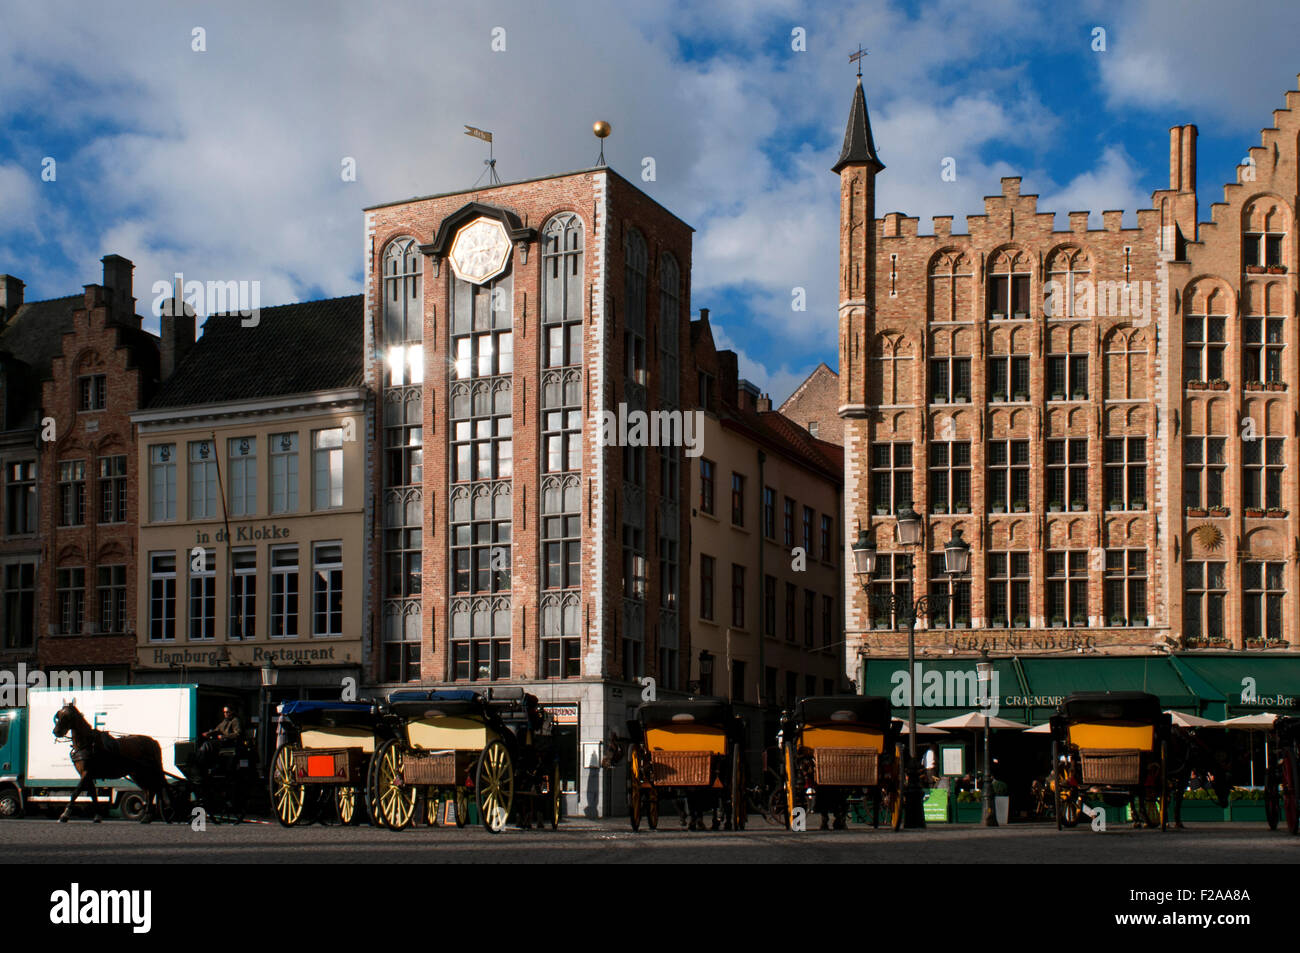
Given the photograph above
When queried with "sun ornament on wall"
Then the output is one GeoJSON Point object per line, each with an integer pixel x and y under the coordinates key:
{"type": "Point", "coordinates": [1208, 536]}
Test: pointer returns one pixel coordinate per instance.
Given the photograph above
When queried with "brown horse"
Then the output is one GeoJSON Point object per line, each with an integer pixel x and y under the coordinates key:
{"type": "Point", "coordinates": [97, 755]}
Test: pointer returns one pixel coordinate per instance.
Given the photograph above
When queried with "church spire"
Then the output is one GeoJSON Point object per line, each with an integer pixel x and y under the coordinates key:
{"type": "Point", "coordinates": [859, 147]}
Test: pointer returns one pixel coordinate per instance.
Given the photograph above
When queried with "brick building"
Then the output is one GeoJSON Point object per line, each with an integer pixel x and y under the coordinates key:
{"type": "Point", "coordinates": [521, 550]}
{"type": "Point", "coordinates": [75, 369]}
{"type": "Point", "coordinates": [1106, 414]}
{"type": "Point", "coordinates": [815, 405]}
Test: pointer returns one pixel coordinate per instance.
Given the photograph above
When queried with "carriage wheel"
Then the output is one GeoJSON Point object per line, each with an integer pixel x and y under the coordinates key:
{"type": "Point", "coordinates": [554, 781]}
{"type": "Point", "coordinates": [1291, 790]}
{"type": "Point", "coordinates": [896, 808]}
{"type": "Point", "coordinates": [494, 786]}
{"type": "Point", "coordinates": [633, 788]}
{"type": "Point", "coordinates": [789, 786]}
{"type": "Point", "coordinates": [395, 799]}
{"type": "Point", "coordinates": [372, 792]}
{"type": "Point", "coordinates": [287, 798]}
{"type": "Point", "coordinates": [462, 806]}
{"type": "Point", "coordinates": [1164, 787]}
{"type": "Point", "coordinates": [432, 804]}
{"type": "Point", "coordinates": [345, 805]}
{"type": "Point", "coordinates": [651, 808]}
{"type": "Point", "coordinates": [737, 792]}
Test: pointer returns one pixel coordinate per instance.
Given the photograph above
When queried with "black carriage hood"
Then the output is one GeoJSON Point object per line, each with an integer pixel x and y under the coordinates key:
{"type": "Point", "coordinates": [1112, 706]}
{"type": "Point", "coordinates": [705, 711]}
{"type": "Point", "coordinates": [844, 709]}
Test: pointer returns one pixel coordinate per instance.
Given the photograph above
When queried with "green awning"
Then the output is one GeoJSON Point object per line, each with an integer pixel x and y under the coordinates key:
{"type": "Point", "coordinates": [1051, 679]}
{"type": "Point", "coordinates": [1275, 680]}
{"type": "Point", "coordinates": [945, 687]}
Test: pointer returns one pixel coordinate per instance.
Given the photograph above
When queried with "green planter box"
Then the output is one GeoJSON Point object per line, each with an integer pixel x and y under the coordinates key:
{"type": "Point", "coordinates": [1201, 811]}
{"type": "Point", "coordinates": [970, 812]}
{"type": "Point", "coordinates": [1246, 811]}
{"type": "Point", "coordinates": [1114, 815]}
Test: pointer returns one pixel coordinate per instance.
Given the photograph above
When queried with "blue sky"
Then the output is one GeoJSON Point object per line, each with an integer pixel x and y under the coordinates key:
{"type": "Point", "coordinates": [224, 163]}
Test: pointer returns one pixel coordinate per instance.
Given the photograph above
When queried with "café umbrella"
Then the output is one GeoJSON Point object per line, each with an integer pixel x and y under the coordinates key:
{"type": "Point", "coordinates": [974, 722]}
{"type": "Point", "coordinates": [1262, 721]}
{"type": "Point", "coordinates": [1184, 720]}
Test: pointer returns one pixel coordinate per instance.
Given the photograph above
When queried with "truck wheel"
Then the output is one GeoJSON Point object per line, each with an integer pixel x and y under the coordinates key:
{"type": "Point", "coordinates": [131, 806]}
{"type": "Point", "coordinates": [11, 805]}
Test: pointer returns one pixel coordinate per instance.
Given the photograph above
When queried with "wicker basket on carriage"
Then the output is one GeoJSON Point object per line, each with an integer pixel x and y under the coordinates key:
{"type": "Point", "coordinates": [1111, 766]}
{"type": "Point", "coordinates": [682, 768]}
{"type": "Point", "coordinates": [856, 767]}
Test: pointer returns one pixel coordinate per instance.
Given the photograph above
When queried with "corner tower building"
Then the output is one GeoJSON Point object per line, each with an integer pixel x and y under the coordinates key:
{"type": "Point", "coordinates": [513, 546]}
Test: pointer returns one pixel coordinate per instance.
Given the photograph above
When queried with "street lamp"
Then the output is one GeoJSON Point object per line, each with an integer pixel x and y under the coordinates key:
{"type": "Point", "coordinates": [270, 677]}
{"type": "Point", "coordinates": [910, 532]}
{"type": "Point", "coordinates": [706, 672]}
{"type": "Point", "coordinates": [984, 674]}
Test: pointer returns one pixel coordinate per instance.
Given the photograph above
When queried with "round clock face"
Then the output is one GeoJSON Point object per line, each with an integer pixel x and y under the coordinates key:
{"type": "Point", "coordinates": [480, 251]}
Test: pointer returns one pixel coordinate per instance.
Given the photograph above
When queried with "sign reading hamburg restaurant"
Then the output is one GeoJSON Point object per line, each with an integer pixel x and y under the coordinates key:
{"type": "Point", "coordinates": [235, 655]}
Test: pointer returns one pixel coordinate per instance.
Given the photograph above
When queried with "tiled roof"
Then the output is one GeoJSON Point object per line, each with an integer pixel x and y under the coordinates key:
{"type": "Point", "coordinates": [778, 432]}
{"type": "Point", "coordinates": [293, 349]}
{"type": "Point", "coordinates": [34, 335]}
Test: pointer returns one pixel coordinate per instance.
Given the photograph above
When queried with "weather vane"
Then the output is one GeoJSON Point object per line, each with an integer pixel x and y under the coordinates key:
{"type": "Point", "coordinates": [857, 58]}
{"type": "Point", "coordinates": [490, 161]}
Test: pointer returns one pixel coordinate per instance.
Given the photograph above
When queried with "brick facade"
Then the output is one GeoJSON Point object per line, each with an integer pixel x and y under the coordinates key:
{"type": "Point", "coordinates": [1049, 367]}
{"type": "Point", "coordinates": [814, 405]}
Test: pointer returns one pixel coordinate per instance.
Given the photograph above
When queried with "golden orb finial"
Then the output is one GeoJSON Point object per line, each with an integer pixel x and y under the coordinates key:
{"type": "Point", "coordinates": [601, 128]}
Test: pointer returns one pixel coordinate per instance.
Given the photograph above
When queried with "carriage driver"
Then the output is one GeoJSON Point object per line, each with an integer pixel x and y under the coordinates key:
{"type": "Point", "coordinates": [227, 732]}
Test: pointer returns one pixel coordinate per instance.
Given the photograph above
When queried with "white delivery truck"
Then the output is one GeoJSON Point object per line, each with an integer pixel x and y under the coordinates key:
{"type": "Point", "coordinates": [36, 768]}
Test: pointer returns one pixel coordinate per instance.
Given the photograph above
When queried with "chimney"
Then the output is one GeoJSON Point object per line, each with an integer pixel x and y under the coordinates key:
{"type": "Point", "coordinates": [1182, 182]}
{"type": "Point", "coordinates": [747, 395]}
{"type": "Point", "coordinates": [764, 403]}
{"type": "Point", "coordinates": [177, 336]}
{"type": "Point", "coordinates": [11, 297]}
{"type": "Point", "coordinates": [117, 283]}
{"type": "Point", "coordinates": [704, 315]}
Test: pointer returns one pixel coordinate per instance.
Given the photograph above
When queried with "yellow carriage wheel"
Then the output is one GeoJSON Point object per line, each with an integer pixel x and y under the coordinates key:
{"type": "Point", "coordinates": [432, 803]}
{"type": "Point", "coordinates": [554, 782]}
{"type": "Point", "coordinates": [789, 786]}
{"type": "Point", "coordinates": [345, 804]}
{"type": "Point", "coordinates": [462, 806]}
{"type": "Point", "coordinates": [395, 798]}
{"type": "Point", "coordinates": [634, 788]}
{"type": "Point", "coordinates": [287, 798]}
{"type": "Point", "coordinates": [494, 786]}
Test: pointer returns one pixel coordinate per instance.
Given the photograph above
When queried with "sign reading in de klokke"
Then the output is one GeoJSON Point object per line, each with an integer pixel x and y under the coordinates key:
{"type": "Point", "coordinates": [244, 534]}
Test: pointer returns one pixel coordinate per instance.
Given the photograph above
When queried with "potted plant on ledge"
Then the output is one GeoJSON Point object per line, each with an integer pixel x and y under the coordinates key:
{"type": "Point", "coordinates": [1118, 621]}
{"type": "Point", "coordinates": [1056, 506]}
{"type": "Point", "coordinates": [999, 622]}
{"type": "Point", "coordinates": [1137, 504]}
{"type": "Point", "coordinates": [939, 508]}
{"type": "Point", "coordinates": [1021, 622]}
{"type": "Point", "coordinates": [999, 507]}
{"type": "Point", "coordinates": [1219, 511]}
{"type": "Point", "coordinates": [1020, 506]}
{"type": "Point", "coordinates": [1080, 621]}
{"type": "Point", "coordinates": [882, 510]}
{"type": "Point", "coordinates": [1254, 512]}
{"type": "Point", "coordinates": [1276, 512]}
{"type": "Point", "coordinates": [1116, 505]}
{"type": "Point", "coordinates": [1079, 506]}
{"type": "Point", "coordinates": [962, 622]}
{"type": "Point", "coordinates": [963, 507]}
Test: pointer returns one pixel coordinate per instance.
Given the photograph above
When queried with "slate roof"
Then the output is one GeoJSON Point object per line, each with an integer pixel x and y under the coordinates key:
{"type": "Point", "coordinates": [859, 146]}
{"type": "Point", "coordinates": [293, 349]}
{"type": "Point", "coordinates": [34, 335]}
{"type": "Point", "coordinates": [781, 434]}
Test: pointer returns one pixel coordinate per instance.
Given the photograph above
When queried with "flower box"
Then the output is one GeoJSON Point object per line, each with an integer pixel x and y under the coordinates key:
{"type": "Point", "coordinates": [1277, 269]}
{"type": "Point", "coordinates": [1055, 507]}
{"type": "Point", "coordinates": [1214, 644]}
{"type": "Point", "coordinates": [1080, 621]}
{"type": "Point", "coordinates": [969, 812]}
{"type": "Point", "coordinates": [1219, 384]}
{"type": "Point", "coordinates": [1201, 810]}
{"type": "Point", "coordinates": [939, 508]}
{"type": "Point", "coordinates": [1115, 505]}
{"type": "Point", "coordinates": [1218, 512]}
{"type": "Point", "coordinates": [999, 623]}
{"type": "Point", "coordinates": [1021, 396]}
{"type": "Point", "coordinates": [963, 507]}
{"type": "Point", "coordinates": [1020, 506]}
{"type": "Point", "coordinates": [1275, 386]}
{"type": "Point", "coordinates": [1058, 622]}
{"type": "Point", "coordinates": [882, 510]}
{"type": "Point", "coordinates": [999, 398]}
{"type": "Point", "coordinates": [1058, 395]}
{"type": "Point", "coordinates": [1137, 504]}
{"type": "Point", "coordinates": [1080, 395]}
{"type": "Point", "coordinates": [1276, 512]}
{"type": "Point", "coordinates": [1021, 622]}
{"type": "Point", "coordinates": [1254, 512]}
{"type": "Point", "coordinates": [1197, 511]}
{"type": "Point", "coordinates": [1256, 643]}
{"type": "Point", "coordinates": [1079, 506]}
{"type": "Point", "coordinates": [1021, 315]}
{"type": "Point", "coordinates": [962, 623]}
{"type": "Point", "coordinates": [1246, 810]}
{"type": "Point", "coordinates": [962, 398]}
{"type": "Point", "coordinates": [1255, 269]}
{"type": "Point", "coordinates": [1118, 620]}
{"type": "Point", "coordinates": [999, 316]}
{"type": "Point", "coordinates": [999, 507]}
{"type": "Point", "coordinates": [1253, 385]}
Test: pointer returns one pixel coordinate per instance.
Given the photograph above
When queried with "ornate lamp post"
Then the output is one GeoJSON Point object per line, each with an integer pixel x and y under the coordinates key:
{"type": "Point", "coordinates": [956, 556]}
{"type": "Point", "coordinates": [984, 674]}
{"type": "Point", "coordinates": [270, 677]}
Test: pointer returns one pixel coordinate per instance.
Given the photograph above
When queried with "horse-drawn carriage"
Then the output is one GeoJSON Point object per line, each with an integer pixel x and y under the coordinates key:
{"type": "Point", "coordinates": [1282, 782]}
{"type": "Point", "coordinates": [838, 746]}
{"type": "Point", "coordinates": [495, 745]}
{"type": "Point", "coordinates": [228, 786]}
{"type": "Point", "coordinates": [1113, 746]}
{"type": "Point", "coordinates": [321, 767]}
{"type": "Point", "coordinates": [692, 749]}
